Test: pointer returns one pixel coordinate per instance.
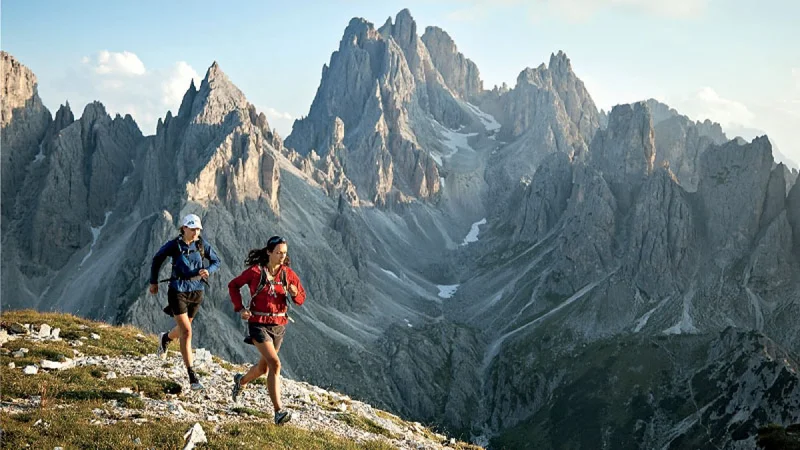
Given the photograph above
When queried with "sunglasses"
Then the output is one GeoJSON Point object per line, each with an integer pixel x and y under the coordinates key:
{"type": "Point", "coordinates": [275, 240]}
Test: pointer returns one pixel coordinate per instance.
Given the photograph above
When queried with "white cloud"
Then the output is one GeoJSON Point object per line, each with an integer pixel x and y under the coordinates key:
{"type": "Point", "coordinates": [708, 104]}
{"type": "Point", "coordinates": [124, 63]}
{"type": "Point", "coordinates": [777, 118]}
{"type": "Point", "coordinates": [273, 113]}
{"type": "Point", "coordinates": [177, 82]}
{"type": "Point", "coordinates": [124, 85]}
{"type": "Point", "coordinates": [279, 120]}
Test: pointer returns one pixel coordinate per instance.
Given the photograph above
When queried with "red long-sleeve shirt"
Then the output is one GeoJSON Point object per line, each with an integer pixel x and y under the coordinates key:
{"type": "Point", "coordinates": [265, 301]}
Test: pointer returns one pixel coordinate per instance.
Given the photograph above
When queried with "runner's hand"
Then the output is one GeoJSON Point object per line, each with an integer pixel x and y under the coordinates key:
{"type": "Point", "coordinates": [245, 314]}
{"type": "Point", "coordinates": [293, 290]}
{"type": "Point", "coordinates": [203, 274]}
{"type": "Point", "coordinates": [154, 289]}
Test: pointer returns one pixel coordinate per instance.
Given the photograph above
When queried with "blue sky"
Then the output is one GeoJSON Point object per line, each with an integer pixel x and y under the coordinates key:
{"type": "Point", "coordinates": [732, 61]}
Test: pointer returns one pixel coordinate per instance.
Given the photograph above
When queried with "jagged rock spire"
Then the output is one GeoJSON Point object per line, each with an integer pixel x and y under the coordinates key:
{"type": "Point", "coordinates": [24, 120]}
{"type": "Point", "coordinates": [733, 187]}
{"type": "Point", "coordinates": [459, 73]}
{"type": "Point", "coordinates": [625, 151]}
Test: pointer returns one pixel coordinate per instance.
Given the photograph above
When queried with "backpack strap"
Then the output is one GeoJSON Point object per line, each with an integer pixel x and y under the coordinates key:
{"type": "Point", "coordinates": [286, 287]}
{"type": "Point", "coordinates": [201, 248]}
{"type": "Point", "coordinates": [179, 253]}
{"type": "Point", "coordinates": [262, 282]}
{"type": "Point", "coordinates": [177, 250]}
{"type": "Point", "coordinates": [288, 294]}
{"type": "Point", "coordinates": [200, 245]}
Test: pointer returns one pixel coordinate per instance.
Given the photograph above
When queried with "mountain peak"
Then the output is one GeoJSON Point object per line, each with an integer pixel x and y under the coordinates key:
{"type": "Point", "coordinates": [216, 79]}
{"type": "Point", "coordinates": [434, 32]}
{"type": "Point", "coordinates": [93, 111]}
{"type": "Point", "coordinates": [19, 86]}
{"type": "Point", "coordinates": [460, 74]}
{"type": "Point", "coordinates": [404, 30]}
{"type": "Point", "coordinates": [533, 76]}
{"type": "Point", "coordinates": [213, 70]}
{"type": "Point", "coordinates": [64, 117]}
{"type": "Point", "coordinates": [357, 32]}
{"type": "Point", "coordinates": [214, 74]}
{"type": "Point", "coordinates": [405, 26]}
{"type": "Point", "coordinates": [625, 151]}
{"type": "Point", "coordinates": [216, 97]}
{"type": "Point", "coordinates": [188, 98]}
{"type": "Point", "coordinates": [560, 63]}
{"type": "Point", "coordinates": [24, 120]}
{"type": "Point", "coordinates": [403, 16]}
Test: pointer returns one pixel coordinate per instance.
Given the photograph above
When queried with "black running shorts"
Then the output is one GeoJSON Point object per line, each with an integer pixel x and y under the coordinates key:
{"type": "Point", "coordinates": [183, 302]}
{"type": "Point", "coordinates": [263, 332]}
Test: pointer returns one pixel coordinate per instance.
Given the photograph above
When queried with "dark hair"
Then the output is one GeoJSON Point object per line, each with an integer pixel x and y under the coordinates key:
{"type": "Point", "coordinates": [260, 256]}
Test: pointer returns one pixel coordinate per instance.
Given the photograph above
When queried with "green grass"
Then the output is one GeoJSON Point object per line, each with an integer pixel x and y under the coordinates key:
{"type": "Point", "coordinates": [114, 341]}
{"type": "Point", "coordinates": [252, 412]}
{"type": "Point", "coordinates": [389, 416]}
{"type": "Point", "coordinates": [328, 403]}
{"type": "Point", "coordinates": [54, 351]}
{"type": "Point", "coordinates": [127, 400]}
{"type": "Point", "coordinates": [225, 364]}
{"type": "Point", "coordinates": [80, 383]}
{"type": "Point", "coordinates": [72, 428]}
{"type": "Point", "coordinates": [358, 421]}
{"type": "Point", "coordinates": [69, 396]}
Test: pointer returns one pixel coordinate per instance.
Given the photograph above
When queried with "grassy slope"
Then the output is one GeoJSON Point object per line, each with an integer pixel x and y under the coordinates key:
{"type": "Point", "coordinates": [65, 414]}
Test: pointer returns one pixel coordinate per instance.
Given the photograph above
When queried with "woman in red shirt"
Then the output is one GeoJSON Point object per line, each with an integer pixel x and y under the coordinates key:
{"type": "Point", "coordinates": [268, 277]}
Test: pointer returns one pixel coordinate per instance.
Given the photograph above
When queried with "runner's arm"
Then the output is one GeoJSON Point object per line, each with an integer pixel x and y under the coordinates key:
{"type": "Point", "coordinates": [293, 279]}
{"type": "Point", "coordinates": [158, 260]}
{"type": "Point", "coordinates": [213, 259]}
{"type": "Point", "coordinates": [235, 286]}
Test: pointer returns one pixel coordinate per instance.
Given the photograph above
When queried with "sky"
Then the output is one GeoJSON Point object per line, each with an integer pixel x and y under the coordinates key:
{"type": "Point", "coordinates": [736, 62]}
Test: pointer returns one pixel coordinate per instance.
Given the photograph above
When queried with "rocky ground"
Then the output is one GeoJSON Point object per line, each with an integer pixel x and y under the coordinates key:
{"type": "Point", "coordinates": [314, 409]}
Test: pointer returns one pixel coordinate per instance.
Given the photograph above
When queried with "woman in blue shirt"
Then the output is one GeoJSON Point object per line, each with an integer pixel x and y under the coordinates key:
{"type": "Point", "coordinates": [186, 285]}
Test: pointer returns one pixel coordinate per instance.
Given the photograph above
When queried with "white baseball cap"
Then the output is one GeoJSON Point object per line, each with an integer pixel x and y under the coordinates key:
{"type": "Point", "coordinates": [192, 221]}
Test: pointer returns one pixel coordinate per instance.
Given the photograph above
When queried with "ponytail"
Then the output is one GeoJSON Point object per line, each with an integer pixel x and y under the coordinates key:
{"type": "Point", "coordinates": [258, 256]}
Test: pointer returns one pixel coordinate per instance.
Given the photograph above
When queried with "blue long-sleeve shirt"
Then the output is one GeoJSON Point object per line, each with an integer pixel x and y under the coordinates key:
{"type": "Point", "coordinates": [186, 264]}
